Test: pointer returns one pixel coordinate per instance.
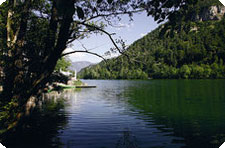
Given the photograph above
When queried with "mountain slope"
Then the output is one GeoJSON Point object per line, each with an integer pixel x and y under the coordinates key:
{"type": "Point", "coordinates": [195, 49]}
{"type": "Point", "coordinates": [77, 66]}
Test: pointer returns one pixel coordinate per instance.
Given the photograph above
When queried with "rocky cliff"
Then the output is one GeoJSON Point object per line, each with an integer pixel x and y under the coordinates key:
{"type": "Point", "coordinates": [211, 13]}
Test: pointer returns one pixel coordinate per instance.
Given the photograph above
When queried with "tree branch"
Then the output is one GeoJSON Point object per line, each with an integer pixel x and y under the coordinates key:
{"type": "Point", "coordinates": [110, 37]}
{"type": "Point", "coordinates": [113, 14]}
{"type": "Point", "coordinates": [84, 51]}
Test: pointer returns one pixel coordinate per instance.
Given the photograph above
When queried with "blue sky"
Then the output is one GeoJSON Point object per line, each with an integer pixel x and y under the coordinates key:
{"type": "Point", "coordinates": [129, 31]}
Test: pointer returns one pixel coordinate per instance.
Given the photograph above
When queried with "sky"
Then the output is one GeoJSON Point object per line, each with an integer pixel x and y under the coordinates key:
{"type": "Point", "coordinates": [129, 31]}
{"type": "Point", "coordinates": [1, 1]}
{"type": "Point", "coordinates": [223, 2]}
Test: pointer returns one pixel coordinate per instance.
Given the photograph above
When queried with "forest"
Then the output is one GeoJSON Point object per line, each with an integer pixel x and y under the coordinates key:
{"type": "Point", "coordinates": [194, 49]}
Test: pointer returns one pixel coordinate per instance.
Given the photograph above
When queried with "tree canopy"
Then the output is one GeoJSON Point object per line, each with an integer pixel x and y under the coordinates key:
{"type": "Point", "coordinates": [62, 64]}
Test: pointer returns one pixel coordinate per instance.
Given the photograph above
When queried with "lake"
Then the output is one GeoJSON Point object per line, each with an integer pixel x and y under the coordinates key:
{"type": "Point", "coordinates": [132, 114]}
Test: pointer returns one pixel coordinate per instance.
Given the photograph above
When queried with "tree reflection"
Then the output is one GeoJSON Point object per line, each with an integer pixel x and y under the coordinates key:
{"type": "Point", "coordinates": [127, 140]}
{"type": "Point", "coordinates": [40, 130]}
{"type": "Point", "coordinates": [192, 110]}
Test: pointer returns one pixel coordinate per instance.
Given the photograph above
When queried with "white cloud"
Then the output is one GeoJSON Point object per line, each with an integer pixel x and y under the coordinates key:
{"type": "Point", "coordinates": [78, 55]}
{"type": "Point", "coordinates": [143, 34]}
{"type": "Point", "coordinates": [124, 25]}
{"type": "Point", "coordinates": [1, 1]}
{"type": "Point", "coordinates": [68, 50]}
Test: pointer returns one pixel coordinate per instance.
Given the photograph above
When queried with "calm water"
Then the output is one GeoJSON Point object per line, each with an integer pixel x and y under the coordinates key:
{"type": "Point", "coordinates": [136, 114]}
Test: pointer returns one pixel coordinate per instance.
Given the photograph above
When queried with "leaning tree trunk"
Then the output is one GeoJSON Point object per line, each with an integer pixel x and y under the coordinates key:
{"type": "Point", "coordinates": [19, 85]}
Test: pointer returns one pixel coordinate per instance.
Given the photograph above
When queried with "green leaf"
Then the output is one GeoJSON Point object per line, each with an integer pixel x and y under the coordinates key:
{"type": "Point", "coordinates": [80, 13]}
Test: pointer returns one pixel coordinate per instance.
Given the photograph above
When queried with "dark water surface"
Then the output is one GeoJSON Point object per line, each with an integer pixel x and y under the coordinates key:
{"type": "Point", "coordinates": [140, 114]}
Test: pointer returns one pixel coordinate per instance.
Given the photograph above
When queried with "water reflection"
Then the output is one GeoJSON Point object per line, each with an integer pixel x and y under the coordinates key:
{"type": "Point", "coordinates": [130, 114]}
{"type": "Point", "coordinates": [193, 109]}
{"type": "Point", "coordinates": [128, 140]}
{"type": "Point", "coordinates": [42, 128]}
{"type": "Point", "coordinates": [103, 118]}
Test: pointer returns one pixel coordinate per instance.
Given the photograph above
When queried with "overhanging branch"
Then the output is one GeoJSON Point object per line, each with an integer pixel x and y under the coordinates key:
{"type": "Point", "coordinates": [110, 37]}
{"type": "Point", "coordinates": [112, 40]}
{"type": "Point", "coordinates": [113, 14]}
{"type": "Point", "coordinates": [84, 51]}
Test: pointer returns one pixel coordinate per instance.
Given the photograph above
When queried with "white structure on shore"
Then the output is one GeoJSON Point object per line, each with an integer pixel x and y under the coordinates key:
{"type": "Point", "coordinates": [67, 73]}
{"type": "Point", "coordinates": [75, 76]}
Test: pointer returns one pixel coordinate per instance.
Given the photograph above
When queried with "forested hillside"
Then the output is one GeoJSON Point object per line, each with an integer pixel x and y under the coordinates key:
{"type": "Point", "coordinates": [195, 49]}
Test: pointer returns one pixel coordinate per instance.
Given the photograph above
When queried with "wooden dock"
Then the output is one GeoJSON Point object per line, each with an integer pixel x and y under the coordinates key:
{"type": "Point", "coordinates": [85, 86]}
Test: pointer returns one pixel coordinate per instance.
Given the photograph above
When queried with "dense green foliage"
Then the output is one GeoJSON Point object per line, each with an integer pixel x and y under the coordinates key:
{"type": "Point", "coordinates": [62, 64]}
{"type": "Point", "coordinates": [197, 50]}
